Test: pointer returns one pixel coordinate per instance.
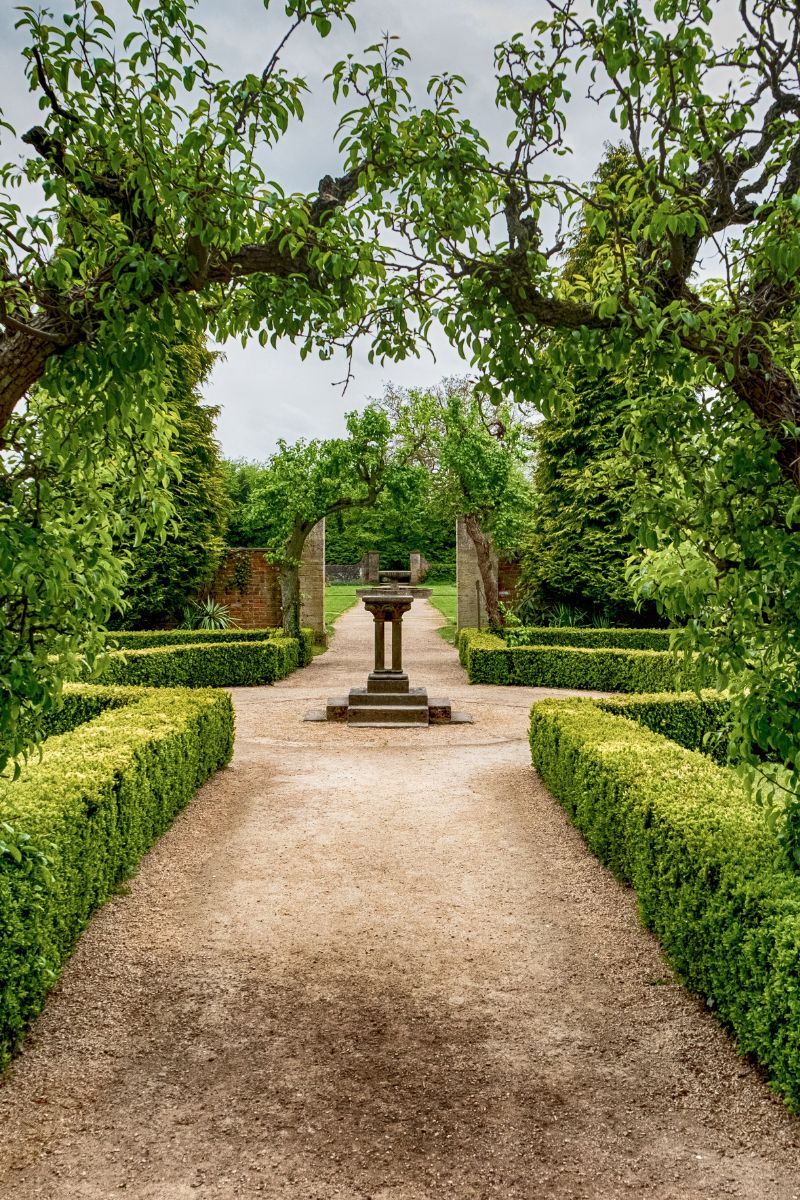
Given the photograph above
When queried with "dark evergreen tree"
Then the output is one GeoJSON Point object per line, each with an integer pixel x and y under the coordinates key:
{"type": "Point", "coordinates": [580, 539]}
{"type": "Point", "coordinates": [165, 574]}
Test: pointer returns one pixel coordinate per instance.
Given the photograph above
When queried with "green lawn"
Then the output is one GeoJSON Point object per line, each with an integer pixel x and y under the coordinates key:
{"type": "Point", "coordinates": [341, 596]}
{"type": "Point", "coordinates": [444, 598]}
{"type": "Point", "coordinates": [338, 598]}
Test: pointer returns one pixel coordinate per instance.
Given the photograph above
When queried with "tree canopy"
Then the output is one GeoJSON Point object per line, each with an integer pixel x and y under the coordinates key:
{"type": "Point", "coordinates": [280, 502]}
{"type": "Point", "coordinates": [476, 454]}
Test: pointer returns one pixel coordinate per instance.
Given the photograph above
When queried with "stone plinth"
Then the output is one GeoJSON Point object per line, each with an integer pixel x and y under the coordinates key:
{"type": "Point", "coordinates": [388, 700]}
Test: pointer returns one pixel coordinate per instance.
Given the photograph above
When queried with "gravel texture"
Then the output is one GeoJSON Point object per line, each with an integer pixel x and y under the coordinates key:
{"type": "Point", "coordinates": [381, 964]}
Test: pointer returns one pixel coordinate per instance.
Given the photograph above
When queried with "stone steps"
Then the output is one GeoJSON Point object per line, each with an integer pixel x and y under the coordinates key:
{"type": "Point", "coordinates": [388, 714]}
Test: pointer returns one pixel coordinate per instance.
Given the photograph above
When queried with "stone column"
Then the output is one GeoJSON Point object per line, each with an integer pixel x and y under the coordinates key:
{"type": "Point", "coordinates": [371, 566]}
{"type": "Point", "coordinates": [397, 643]}
{"type": "Point", "coordinates": [380, 650]}
{"type": "Point", "coordinates": [312, 581]}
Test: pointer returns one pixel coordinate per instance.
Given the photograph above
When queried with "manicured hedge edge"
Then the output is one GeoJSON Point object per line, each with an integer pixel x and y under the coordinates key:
{"type": "Point", "coordinates": [706, 868]}
{"type": "Point", "coordinates": [95, 802]}
{"type": "Point", "coordinates": [145, 639]}
{"type": "Point", "coordinates": [694, 722]}
{"type": "Point", "coordinates": [598, 639]}
{"type": "Point", "coordinates": [488, 659]}
{"type": "Point", "coordinates": [79, 703]}
{"type": "Point", "coordinates": [242, 664]}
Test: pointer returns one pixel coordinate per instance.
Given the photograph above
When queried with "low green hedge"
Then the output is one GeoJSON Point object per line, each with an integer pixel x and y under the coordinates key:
{"type": "Point", "coordinates": [597, 639]}
{"type": "Point", "coordinates": [76, 822]}
{"type": "Point", "coordinates": [707, 869]}
{"type": "Point", "coordinates": [440, 572]}
{"type": "Point", "coordinates": [694, 722]}
{"type": "Point", "coordinates": [232, 664]}
{"type": "Point", "coordinates": [488, 659]}
{"type": "Point", "coordinates": [79, 703]}
{"type": "Point", "coordinates": [145, 639]}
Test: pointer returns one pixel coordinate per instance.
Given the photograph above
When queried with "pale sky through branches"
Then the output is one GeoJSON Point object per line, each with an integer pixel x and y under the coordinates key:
{"type": "Point", "coordinates": [269, 393]}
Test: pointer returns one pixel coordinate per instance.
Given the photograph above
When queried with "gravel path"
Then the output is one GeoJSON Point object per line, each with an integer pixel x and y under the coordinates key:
{"type": "Point", "coordinates": [381, 964]}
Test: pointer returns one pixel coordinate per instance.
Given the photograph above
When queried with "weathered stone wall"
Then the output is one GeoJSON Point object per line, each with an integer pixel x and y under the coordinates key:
{"type": "Point", "coordinates": [371, 566]}
{"type": "Point", "coordinates": [470, 606]}
{"type": "Point", "coordinates": [419, 566]}
{"type": "Point", "coordinates": [343, 572]}
{"type": "Point", "coordinates": [470, 609]}
{"type": "Point", "coordinates": [247, 582]}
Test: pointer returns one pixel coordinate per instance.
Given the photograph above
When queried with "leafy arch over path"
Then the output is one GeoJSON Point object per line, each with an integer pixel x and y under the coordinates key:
{"type": "Point", "coordinates": [698, 260]}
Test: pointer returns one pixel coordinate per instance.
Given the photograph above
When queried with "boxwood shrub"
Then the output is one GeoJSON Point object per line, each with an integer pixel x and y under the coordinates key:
{"type": "Point", "coordinates": [76, 822]}
{"type": "Point", "coordinates": [231, 664]}
{"type": "Point", "coordinates": [694, 722]}
{"type": "Point", "coordinates": [144, 639]}
{"type": "Point", "coordinates": [708, 873]}
{"type": "Point", "coordinates": [599, 639]}
{"type": "Point", "coordinates": [488, 659]}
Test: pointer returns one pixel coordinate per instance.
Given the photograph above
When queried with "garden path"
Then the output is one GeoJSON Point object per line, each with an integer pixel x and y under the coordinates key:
{"type": "Point", "coordinates": [381, 964]}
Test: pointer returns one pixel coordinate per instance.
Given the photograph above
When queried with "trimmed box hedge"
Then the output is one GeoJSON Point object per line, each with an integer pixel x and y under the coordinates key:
{"type": "Point", "coordinates": [488, 659]}
{"type": "Point", "coordinates": [708, 873]}
{"type": "Point", "coordinates": [75, 823]}
{"type": "Point", "coordinates": [232, 664]}
{"type": "Point", "coordinates": [694, 722]}
{"type": "Point", "coordinates": [597, 639]}
{"type": "Point", "coordinates": [145, 639]}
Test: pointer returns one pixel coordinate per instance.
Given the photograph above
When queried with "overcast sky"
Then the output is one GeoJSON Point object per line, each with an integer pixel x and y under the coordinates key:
{"type": "Point", "coordinates": [269, 393]}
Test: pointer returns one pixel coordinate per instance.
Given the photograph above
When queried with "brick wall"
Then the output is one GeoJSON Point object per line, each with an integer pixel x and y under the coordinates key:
{"type": "Point", "coordinates": [257, 604]}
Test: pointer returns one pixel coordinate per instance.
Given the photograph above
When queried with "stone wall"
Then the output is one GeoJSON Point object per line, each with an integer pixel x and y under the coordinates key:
{"type": "Point", "coordinates": [343, 572]}
{"type": "Point", "coordinates": [419, 566]}
{"type": "Point", "coordinates": [470, 605]}
{"type": "Point", "coordinates": [312, 581]}
{"type": "Point", "coordinates": [247, 582]}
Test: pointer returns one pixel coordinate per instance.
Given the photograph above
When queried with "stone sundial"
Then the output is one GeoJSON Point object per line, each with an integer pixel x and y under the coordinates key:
{"type": "Point", "coordinates": [388, 700]}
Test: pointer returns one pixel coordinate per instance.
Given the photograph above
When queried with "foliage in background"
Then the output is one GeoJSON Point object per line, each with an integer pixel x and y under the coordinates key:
{"type": "Point", "coordinates": [395, 526]}
{"type": "Point", "coordinates": [476, 454]}
{"type": "Point", "coordinates": [169, 567]}
{"type": "Point", "coordinates": [277, 504]}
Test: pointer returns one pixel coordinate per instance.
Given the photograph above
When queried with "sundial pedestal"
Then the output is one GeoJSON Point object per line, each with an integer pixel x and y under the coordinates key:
{"type": "Point", "coordinates": [388, 700]}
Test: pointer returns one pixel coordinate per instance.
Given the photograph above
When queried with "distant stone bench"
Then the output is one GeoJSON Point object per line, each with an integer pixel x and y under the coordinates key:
{"type": "Point", "coordinates": [395, 576]}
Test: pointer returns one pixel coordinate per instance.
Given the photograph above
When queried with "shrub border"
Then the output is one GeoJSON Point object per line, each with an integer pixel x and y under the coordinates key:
{"type": "Point", "coordinates": [488, 659]}
{"type": "Point", "coordinates": [618, 638]}
{"type": "Point", "coordinates": [227, 664]}
{"type": "Point", "coordinates": [77, 821]}
{"type": "Point", "coordinates": [146, 639]}
{"type": "Point", "coordinates": [708, 874]}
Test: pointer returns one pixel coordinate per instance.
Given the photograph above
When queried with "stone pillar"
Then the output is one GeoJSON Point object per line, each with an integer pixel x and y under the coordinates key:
{"type": "Point", "coordinates": [380, 643]}
{"type": "Point", "coordinates": [470, 603]}
{"type": "Point", "coordinates": [371, 567]}
{"type": "Point", "coordinates": [312, 581]}
{"type": "Point", "coordinates": [419, 567]}
{"type": "Point", "coordinates": [397, 643]}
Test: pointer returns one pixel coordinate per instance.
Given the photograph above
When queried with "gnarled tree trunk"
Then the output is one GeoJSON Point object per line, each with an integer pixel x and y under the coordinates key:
{"type": "Point", "coordinates": [487, 565]}
{"type": "Point", "coordinates": [289, 580]}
